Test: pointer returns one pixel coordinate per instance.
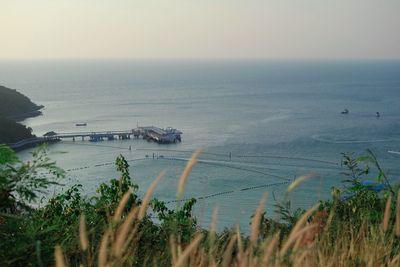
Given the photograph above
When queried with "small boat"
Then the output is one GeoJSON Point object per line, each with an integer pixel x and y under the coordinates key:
{"type": "Point", "coordinates": [378, 114]}
{"type": "Point", "coordinates": [345, 111]}
{"type": "Point", "coordinates": [81, 124]}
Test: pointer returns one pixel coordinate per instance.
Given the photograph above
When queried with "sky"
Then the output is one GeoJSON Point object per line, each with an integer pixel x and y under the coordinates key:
{"type": "Point", "coordinates": [261, 29]}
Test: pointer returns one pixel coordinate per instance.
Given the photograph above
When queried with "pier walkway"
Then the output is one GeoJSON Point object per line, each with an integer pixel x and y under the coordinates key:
{"type": "Point", "coordinates": [150, 133]}
{"type": "Point", "coordinates": [98, 135]}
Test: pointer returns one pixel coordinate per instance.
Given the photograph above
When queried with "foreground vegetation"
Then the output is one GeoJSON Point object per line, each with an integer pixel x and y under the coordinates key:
{"type": "Point", "coordinates": [359, 226]}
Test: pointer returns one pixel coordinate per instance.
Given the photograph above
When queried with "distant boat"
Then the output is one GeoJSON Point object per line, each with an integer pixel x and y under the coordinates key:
{"type": "Point", "coordinates": [378, 114]}
{"type": "Point", "coordinates": [81, 124]}
{"type": "Point", "coordinates": [345, 111]}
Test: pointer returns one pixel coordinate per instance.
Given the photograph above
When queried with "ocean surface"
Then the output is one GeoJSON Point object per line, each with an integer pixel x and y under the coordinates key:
{"type": "Point", "coordinates": [277, 119]}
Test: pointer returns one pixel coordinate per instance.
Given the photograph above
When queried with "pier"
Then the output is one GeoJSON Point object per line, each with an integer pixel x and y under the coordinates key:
{"type": "Point", "coordinates": [149, 133]}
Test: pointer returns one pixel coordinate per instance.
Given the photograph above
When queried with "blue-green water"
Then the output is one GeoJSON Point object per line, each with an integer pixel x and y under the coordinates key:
{"type": "Point", "coordinates": [278, 119]}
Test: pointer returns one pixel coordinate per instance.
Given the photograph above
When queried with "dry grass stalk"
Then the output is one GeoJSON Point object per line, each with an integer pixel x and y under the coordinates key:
{"type": "Point", "coordinates": [294, 236]}
{"type": "Point", "coordinates": [330, 218]}
{"type": "Point", "coordinates": [213, 224]}
{"type": "Point", "coordinates": [186, 172]}
{"type": "Point", "coordinates": [121, 205]}
{"type": "Point", "coordinates": [240, 246]}
{"type": "Point", "coordinates": [298, 181]}
{"type": "Point", "coordinates": [398, 215]}
{"type": "Point", "coordinates": [212, 231]}
{"type": "Point", "coordinates": [121, 239]}
{"type": "Point", "coordinates": [83, 233]}
{"type": "Point", "coordinates": [204, 261]}
{"type": "Point", "coordinates": [188, 250]}
{"type": "Point", "coordinates": [255, 223]}
{"type": "Point", "coordinates": [270, 249]}
{"type": "Point", "coordinates": [173, 249]}
{"type": "Point", "coordinates": [210, 263]}
{"type": "Point", "coordinates": [395, 261]}
{"type": "Point", "coordinates": [103, 253]}
{"type": "Point", "coordinates": [300, 223]}
{"type": "Point", "coordinates": [147, 196]}
{"type": "Point", "coordinates": [227, 258]}
{"type": "Point", "coordinates": [59, 256]}
{"type": "Point", "coordinates": [299, 261]}
{"type": "Point", "coordinates": [178, 250]}
{"type": "Point", "coordinates": [386, 217]}
{"type": "Point", "coordinates": [303, 219]}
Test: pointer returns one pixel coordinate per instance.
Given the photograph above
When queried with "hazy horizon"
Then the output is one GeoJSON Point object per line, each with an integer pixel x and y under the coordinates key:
{"type": "Point", "coordinates": [177, 29]}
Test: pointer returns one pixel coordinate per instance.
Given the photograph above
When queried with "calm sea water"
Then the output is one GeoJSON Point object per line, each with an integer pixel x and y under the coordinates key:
{"type": "Point", "coordinates": [278, 119]}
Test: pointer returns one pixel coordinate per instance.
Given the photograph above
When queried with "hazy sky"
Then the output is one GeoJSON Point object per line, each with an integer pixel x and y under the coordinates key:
{"type": "Point", "coordinates": [199, 29]}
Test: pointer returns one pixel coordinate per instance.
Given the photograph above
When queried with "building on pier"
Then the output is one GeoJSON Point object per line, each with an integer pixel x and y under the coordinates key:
{"type": "Point", "coordinates": [162, 136]}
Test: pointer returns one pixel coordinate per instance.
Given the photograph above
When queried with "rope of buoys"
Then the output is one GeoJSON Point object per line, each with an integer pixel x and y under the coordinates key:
{"type": "Point", "coordinates": [101, 165]}
{"type": "Point", "coordinates": [228, 166]}
{"type": "Point", "coordinates": [182, 159]}
{"type": "Point", "coordinates": [228, 192]}
{"type": "Point", "coordinates": [225, 155]}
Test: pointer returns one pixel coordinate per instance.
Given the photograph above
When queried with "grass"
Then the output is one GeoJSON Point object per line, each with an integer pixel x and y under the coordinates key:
{"type": "Point", "coordinates": [309, 243]}
{"type": "Point", "coordinates": [113, 229]}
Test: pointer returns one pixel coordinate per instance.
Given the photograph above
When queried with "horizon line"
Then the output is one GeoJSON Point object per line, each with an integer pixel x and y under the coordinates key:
{"type": "Point", "coordinates": [205, 59]}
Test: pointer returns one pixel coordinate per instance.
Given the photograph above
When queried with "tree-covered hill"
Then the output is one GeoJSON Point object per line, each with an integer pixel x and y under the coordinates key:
{"type": "Point", "coordinates": [14, 104]}
{"type": "Point", "coordinates": [11, 131]}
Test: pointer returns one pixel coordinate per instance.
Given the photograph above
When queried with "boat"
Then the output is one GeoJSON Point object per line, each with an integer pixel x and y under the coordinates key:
{"type": "Point", "coordinates": [81, 124]}
{"type": "Point", "coordinates": [345, 111]}
{"type": "Point", "coordinates": [378, 114]}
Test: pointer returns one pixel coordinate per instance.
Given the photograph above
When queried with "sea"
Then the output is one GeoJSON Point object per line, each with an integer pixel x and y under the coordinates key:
{"type": "Point", "coordinates": [260, 124]}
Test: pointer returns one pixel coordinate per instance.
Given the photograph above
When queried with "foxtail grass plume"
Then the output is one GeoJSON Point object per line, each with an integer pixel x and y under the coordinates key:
{"type": "Point", "coordinates": [186, 172]}
{"type": "Point", "coordinates": [227, 258]}
{"type": "Point", "coordinates": [121, 239]}
{"type": "Point", "coordinates": [298, 226]}
{"type": "Point", "coordinates": [269, 250]}
{"type": "Point", "coordinates": [255, 223]}
{"type": "Point", "coordinates": [147, 196]}
{"type": "Point", "coordinates": [103, 252]}
{"type": "Point", "coordinates": [188, 250]}
{"type": "Point", "coordinates": [121, 205]}
{"type": "Point", "coordinates": [239, 244]}
{"type": "Point", "coordinates": [59, 256]}
{"type": "Point", "coordinates": [213, 227]}
{"type": "Point", "coordinates": [83, 233]}
{"type": "Point", "coordinates": [172, 244]}
{"type": "Point", "coordinates": [298, 181]}
{"type": "Point", "coordinates": [386, 217]}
